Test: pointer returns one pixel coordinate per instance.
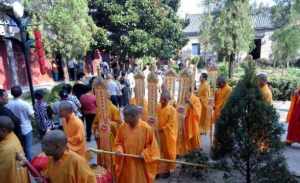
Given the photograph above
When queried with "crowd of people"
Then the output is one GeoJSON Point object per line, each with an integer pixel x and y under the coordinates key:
{"type": "Point", "coordinates": [66, 126]}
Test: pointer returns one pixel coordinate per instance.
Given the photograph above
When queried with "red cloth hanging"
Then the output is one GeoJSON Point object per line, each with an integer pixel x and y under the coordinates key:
{"type": "Point", "coordinates": [40, 51]}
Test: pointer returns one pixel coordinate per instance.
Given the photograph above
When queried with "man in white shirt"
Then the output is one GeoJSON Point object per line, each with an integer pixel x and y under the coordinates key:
{"type": "Point", "coordinates": [113, 89]}
{"type": "Point", "coordinates": [71, 67]}
{"type": "Point", "coordinates": [25, 113]}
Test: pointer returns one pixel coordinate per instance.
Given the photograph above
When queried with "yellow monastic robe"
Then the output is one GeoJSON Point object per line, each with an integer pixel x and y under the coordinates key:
{"type": "Point", "coordinates": [144, 115]}
{"type": "Point", "coordinates": [221, 97]}
{"type": "Point", "coordinates": [71, 168]}
{"type": "Point", "coordinates": [266, 94]}
{"type": "Point", "coordinates": [138, 141]}
{"type": "Point", "coordinates": [103, 143]}
{"type": "Point", "coordinates": [168, 127]}
{"type": "Point", "coordinates": [192, 138]}
{"type": "Point", "coordinates": [75, 133]}
{"type": "Point", "coordinates": [203, 94]}
{"type": "Point", "coordinates": [11, 171]}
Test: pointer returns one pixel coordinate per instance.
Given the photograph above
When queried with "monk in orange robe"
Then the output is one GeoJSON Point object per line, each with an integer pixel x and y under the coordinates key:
{"type": "Point", "coordinates": [136, 137]}
{"type": "Point", "coordinates": [64, 166]}
{"type": "Point", "coordinates": [221, 96]}
{"type": "Point", "coordinates": [143, 109]}
{"type": "Point", "coordinates": [11, 171]}
{"type": "Point", "coordinates": [203, 94]}
{"type": "Point", "coordinates": [264, 88]}
{"type": "Point", "coordinates": [74, 129]}
{"type": "Point", "coordinates": [115, 121]}
{"type": "Point", "coordinates": [191, 138]}
{"type": "Point", "coordinates": [293, 135]}
{"type": "Point", "coordinates": [167, 127]}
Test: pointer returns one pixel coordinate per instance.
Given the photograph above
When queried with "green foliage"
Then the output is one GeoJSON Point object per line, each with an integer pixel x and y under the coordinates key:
{"type": "Point", "coordinates": [230, 31]}
{"type": "Point", "coordinates": [248, 131]}
{"type": "Point", "coordinates": [67, 27]}
{"type": "Point", "coordinates": [195, 172]}
{"type": "Point", "coordinates": [54, 94]}
{"type": "Point", "coordinates": [286, 45]}
{"type": "Point", "coordinates": [139, 28]}
{"type": "Point", "coordinates": [282, 89]}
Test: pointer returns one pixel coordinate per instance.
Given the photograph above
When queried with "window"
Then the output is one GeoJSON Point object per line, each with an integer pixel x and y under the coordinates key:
{"type": "Point", "coordinates": [195, 49]}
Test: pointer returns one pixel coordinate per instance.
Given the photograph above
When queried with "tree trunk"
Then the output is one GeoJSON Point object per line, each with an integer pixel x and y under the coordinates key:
{"type": "Point", "coordinates": [287, 64]}
{"type": "Point", "coordinates": [11, 63]}
{"type": "Point", "coordinates": [248, 173]}
{"type": "Point", "coordinates": [231, 65]}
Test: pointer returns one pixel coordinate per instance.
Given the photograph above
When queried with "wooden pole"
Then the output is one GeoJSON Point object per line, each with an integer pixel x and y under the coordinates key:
{"type": "Point", "coordinates": [97, 151]}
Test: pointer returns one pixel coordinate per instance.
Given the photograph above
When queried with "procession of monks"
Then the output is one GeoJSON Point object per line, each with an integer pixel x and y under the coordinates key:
{"type": "Point", "coordinates": [133, 134]}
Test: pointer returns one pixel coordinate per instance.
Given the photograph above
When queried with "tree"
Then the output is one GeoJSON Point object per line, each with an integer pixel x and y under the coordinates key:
{"type": "Point", "coordinates": [67, 27]}
{"type": "Point", "coordinates": [140, 28]}
{"type": "Point", "coordinates": [286, 47]}
{"type": "Point", "coordinates": [248, 133]}
{"type": "Point", "coordinates": [233, 31]}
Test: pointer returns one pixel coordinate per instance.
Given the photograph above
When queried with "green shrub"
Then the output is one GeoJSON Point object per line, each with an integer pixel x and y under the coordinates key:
{"type": "Point", "coordinates": [54, 94]}
{"type": "Point", "coordinates": [282, 88]}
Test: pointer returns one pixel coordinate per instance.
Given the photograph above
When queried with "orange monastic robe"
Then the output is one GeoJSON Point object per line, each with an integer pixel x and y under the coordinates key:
{"type": "Point", "coordinates": [192, 139]}
{"type": "Point", "coordinates": [71, 168]}
{"type": "Point", "coordinates": [294, 101]}
{"type": "Point", "coordinates": [221, 97]}
{"type": "Point", "coordinates": [11, 171]}
{"type": "Point", "coordinates": [203, 94]}
{"type": "Point", "coordinates": [75, 133]}
{"type": "Point", "coordinates": [266, 94]}
{"type": "Point", "coordinates": [144, 115]}
{"type": "Point", "coordinates": [138, 141]}
{"type": "Point", "coordinates": [293, 134]}
{"type": "Point", "coordinates": [167, 127]}
{"type": "Point", "coordinates": [102, 142]}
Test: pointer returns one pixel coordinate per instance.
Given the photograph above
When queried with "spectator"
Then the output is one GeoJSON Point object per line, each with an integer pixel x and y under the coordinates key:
{"type": "Point", "coordinates": [125, 86]}
{"type": "Point", "coordinates": [112, 89]}
{"type": "Point", "coordinates": [42, 113]}
{"type": "Point", "coordinates": [88, 103]}
{"type": "Point", "coordinates": [55, 72]}
{"type": "Point", "coordinates": [4, 111]}
{"type": "Point", "coordinates": [68, 89]}
{"type": "Point", "coordinates": [79, 87]}
{"type": "Point", "coordinates": [72, 68]}
{"type": "Point", "coordinates": [24, 112]}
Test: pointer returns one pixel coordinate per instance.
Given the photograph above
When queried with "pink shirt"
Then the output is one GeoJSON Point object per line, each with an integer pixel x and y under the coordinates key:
{"type": "Point", "coordinates": [88, 103]}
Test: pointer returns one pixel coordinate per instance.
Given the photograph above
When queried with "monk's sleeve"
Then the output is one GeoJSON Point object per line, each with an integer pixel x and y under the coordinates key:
{"type": "Point", "coordinates": [116, 116]}
{"type": "Point", "coordinates": [118, 147]}
{"type": "Point", "coordinates": [228, 93]}
{"type": "Point", "coordinates": [77, 137]}
{"type": "Point", "coordinates": [170, 128]}
{"type": "Point", "coordinates": [196, 108]}
{"type": "Point", "coordinates": [291, 109]}
{"type": "Point", "coordinates": [84, 173]}
{"type": "Point", "coordinates": [151, 153]}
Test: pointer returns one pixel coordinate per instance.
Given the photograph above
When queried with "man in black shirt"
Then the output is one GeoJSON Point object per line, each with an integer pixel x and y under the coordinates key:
{"type": "Point", "coordinates": [6, 112]}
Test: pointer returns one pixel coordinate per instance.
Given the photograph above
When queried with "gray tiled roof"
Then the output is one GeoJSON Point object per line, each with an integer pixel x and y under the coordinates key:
{"type": "Point", "coordinates": [262, 20]}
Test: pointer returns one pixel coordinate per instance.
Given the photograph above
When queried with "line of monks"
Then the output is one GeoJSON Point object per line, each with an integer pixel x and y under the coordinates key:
{"type": "Point", "coordinates": [137, 135]}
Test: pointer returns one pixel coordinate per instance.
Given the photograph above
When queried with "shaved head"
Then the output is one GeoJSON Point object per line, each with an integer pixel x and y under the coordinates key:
{"type": "Point", "coordinates": [166, 95]}
{"type": "Point", "coordinates": [56, 137]}
{"type": "Point", "coordinates": [262, 76]}
{"type": "Point", "coordinates": [66, 105]}
{"type": "Point", "coordinates": [6, 123]}
{"type": "Point", "coordinates": [54, 143]}
{"type": "Point", "coordinates": [131, 115]}
{"type": "Point", "coordinates": [165, 98]}
{"type": "Point", "coordinates": [65, 109]}
{"type": "Point", "coordinates": [221, 81]}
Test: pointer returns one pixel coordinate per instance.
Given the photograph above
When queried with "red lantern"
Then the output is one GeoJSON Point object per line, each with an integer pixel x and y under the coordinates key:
{"type": "Point", "coordinates": [40, 51]}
